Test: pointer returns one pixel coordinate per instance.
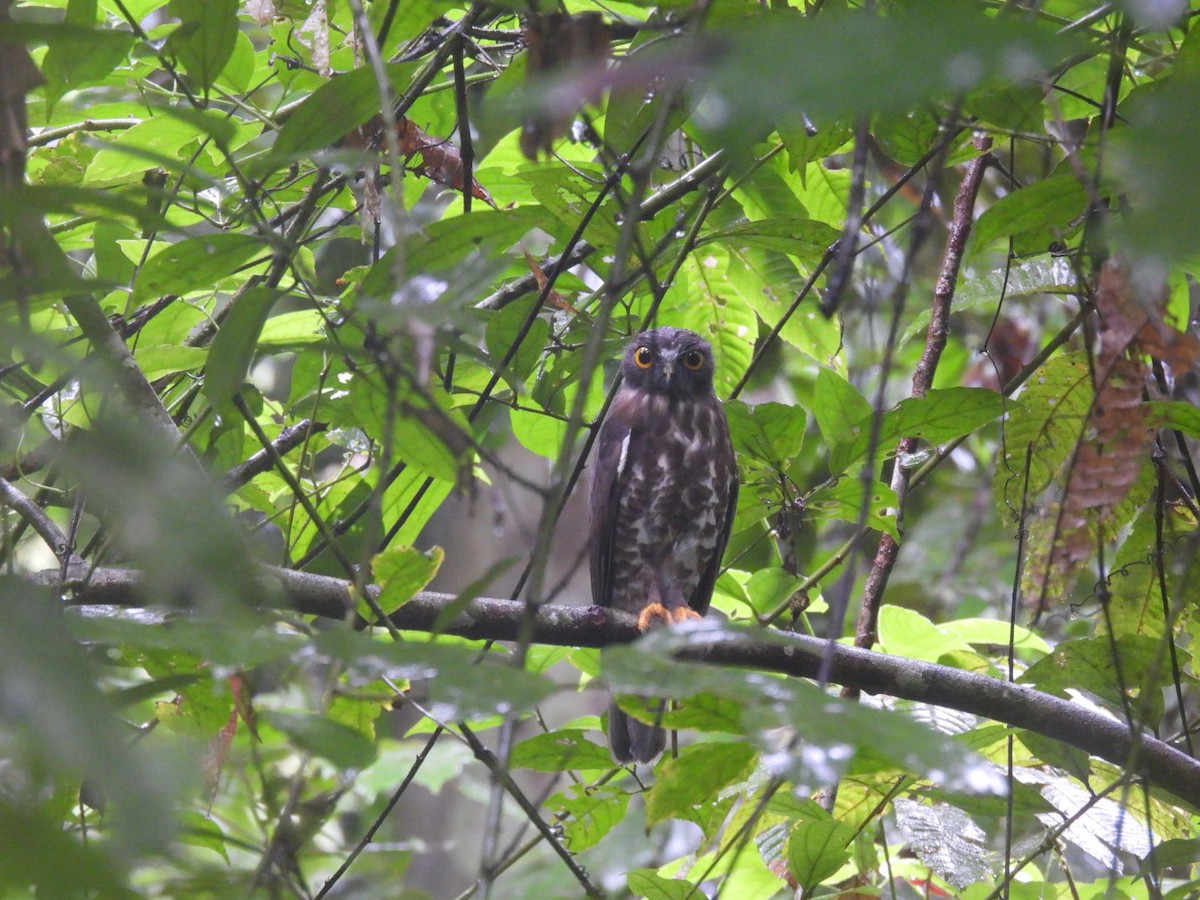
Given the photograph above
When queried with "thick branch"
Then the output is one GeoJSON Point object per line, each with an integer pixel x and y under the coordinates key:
{"type": "Point", "coordinates": [796, 655]}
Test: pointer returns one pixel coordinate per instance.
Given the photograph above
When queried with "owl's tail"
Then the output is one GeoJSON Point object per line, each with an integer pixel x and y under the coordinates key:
{"type": "Point", "coordinates": [631, 740]}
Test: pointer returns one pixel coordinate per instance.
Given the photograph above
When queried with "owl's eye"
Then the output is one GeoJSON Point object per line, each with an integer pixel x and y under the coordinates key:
{"type": "Point", "coordinates": [693, 359]}
{"type": "Point", "coordinates": [643, 357]}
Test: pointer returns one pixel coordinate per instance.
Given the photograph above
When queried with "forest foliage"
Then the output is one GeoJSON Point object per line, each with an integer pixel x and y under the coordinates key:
{"type": "Point", "coordinates": [310, 311]}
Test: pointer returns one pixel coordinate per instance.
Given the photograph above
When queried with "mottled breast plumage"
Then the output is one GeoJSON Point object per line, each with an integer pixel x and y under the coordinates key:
{"type": "Point", "coordinates": [665, 479]}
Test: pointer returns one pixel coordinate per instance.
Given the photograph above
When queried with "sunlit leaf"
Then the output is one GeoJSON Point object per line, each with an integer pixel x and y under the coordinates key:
{"type": "Point", "coordinates": [402, 571]}
{"type": "Point", "coordinates": [696, 776]}
{"type": "Point", "coordinates": [818, 849]}
{"type": "Point", "coordinates": [560, 751]}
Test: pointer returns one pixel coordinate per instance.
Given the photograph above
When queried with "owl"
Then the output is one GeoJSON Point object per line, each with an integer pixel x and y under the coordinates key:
{"type": "Point", "coordinates": [664, 492]}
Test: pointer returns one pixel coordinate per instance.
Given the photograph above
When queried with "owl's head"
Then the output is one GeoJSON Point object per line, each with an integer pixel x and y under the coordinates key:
{"type": "Point", "coordinates": [671, 361]}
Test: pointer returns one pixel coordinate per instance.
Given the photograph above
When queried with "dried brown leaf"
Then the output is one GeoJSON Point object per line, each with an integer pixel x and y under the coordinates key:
{"type": "Point", "coordinates": [440, 158]}
{"type": "Point", "coordinates": [554, 298]}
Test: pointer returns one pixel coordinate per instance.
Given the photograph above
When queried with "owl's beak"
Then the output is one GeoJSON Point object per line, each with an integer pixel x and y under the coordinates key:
{"type": "Point", "coordinates": [667, 362]}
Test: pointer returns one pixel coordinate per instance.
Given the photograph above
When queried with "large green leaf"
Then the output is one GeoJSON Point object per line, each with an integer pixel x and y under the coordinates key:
{"type": "Point", "coordinates": [193, 264]}
{"type": "Point", "coordinates": [1095, 664]}
{"type": "Point", "coordinates": [559, 751]}
{"type": "Point", "coordinates": [1039, 214]}
{"type": "Point", "coordinates": [79, 53]}
{"type": "Point", "coordinates": [817, 849]}
{"type": "Point", "coordinates": [234, 346]}
{"type": "Point", "coordinates": [402, 571]}
{"type": "Point", "coordinates": [939, 416]}
{"type": "Point", "coordinates": [695, 777]}
{"type": "Point", "coordinates": [589, 814]}
{"type": "Point", "coordinates": [205, 38]}
{"type": "Point", "coordinates": [332, 111]}
{"type": "Point", "coordinates": [48, 693]}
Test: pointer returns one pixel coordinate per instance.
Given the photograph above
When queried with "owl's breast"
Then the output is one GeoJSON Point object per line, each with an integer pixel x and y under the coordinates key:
{"type": "Point", "coordinates": [675, 487]}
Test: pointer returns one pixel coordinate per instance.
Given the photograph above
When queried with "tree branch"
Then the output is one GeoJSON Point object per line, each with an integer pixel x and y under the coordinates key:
{"type": "Point", "coordinates": [867, 626]}
{"type": "Point", "coordinates": [795, 655]}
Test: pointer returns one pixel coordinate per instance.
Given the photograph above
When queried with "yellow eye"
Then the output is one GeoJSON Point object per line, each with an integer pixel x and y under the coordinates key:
{"type": "Point", "coordinates": [693, 359]}
{"type": "Point", "coordinates": [643, 357]}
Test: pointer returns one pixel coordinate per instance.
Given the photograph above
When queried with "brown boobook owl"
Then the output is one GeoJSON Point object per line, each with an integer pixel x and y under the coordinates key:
{"type": "Point", "coordinates": [663, 496]}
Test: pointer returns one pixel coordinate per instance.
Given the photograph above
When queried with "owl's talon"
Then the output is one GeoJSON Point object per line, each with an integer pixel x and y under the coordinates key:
{"type": "Point", "coordinates": [654, 612]}
{"type": "Point", "coordinates": [683, 613]}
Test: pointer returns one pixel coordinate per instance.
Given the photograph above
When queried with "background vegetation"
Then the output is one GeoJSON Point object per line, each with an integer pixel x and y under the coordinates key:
{"type": "Point", "coordinates": [308, 311]}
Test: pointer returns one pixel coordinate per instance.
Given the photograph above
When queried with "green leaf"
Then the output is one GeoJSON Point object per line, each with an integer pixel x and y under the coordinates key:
{"type": "Point", "coordinates": [538, 432]}
{"type": "Point", "coordinates": [342, 746]}
{"type": "Point", "coordinates": [717, 312]}
{"type": "Point", "coordinates": [462, 683]}
{"type": "Point", "coordinates": [771, 432]}
{"type": "Point", "coordinates": [428, 433]}
{"type": "Point", "coordinates": [1176, 414]}
{"type": "Point", "coordinates": [939, 416]}
{"type": "Point", "coordinates": [1088, 664]}
{"type": "Point", "coordinates": [790, 235]}
{"type": "Point", "coordinates": [817, 849]}
{"type": "Point", "coordinates": [771, 586]}
{"type": "Point", "coordinates": [844, 64]}
{"type": "Point", "coordinates": [843, 500]}
{"type": "Point", "coordinates": [648, 668]}
{"type": "Point", "coordinates": [80, 54]}
{"type": "Point", "coordinates": [198, 830]}
{"type": "Point", "coordinates": [155, 362]}
{"type": "Point", "coordinates": [704, 712]}
{"type": "Point", "coordinates": [193, 264]}
{"type": "Point", "coordinates": [905, 632]}
{"type": "Point", "coordinates": [838, 406]}
{"type": "Point", "coordinates": [769, 282]}
{"type": "Point", "coordinates": [696, 776]}
{"type": "Point", "coordinates": [332, 111]}
{"type": "Point", "coordinates": [1180, 852]}
{"type": "Point", "coordinates": [233, 347]}
{"type": "Point", "coordinates": [995, 632]}
{"type": "Point", "coordinates": [501, 335]}
{"type": "Point", "coordinates": [1039, 213]}
{"type": "Point", "coordinates": [649, 884]}
{"type": "Point", "coordinates": [37, 852]}
{"type": "Point", "coordinates": [402, 571]}
{"type": "Point", "coordinates": [292, 330]}
{"type": "Point", "coordinates": [48, 693]}
{"type": "Point", "coordinates": [1048, 417]}
{"type": "Point", "coordinates": [590, 814]}
{"type": "Point", "coordinates": [560, 751]}
{"type": "Point", "coordinates": [1149, 157]}
{"type": "Point", "coordinates": [205, 38]}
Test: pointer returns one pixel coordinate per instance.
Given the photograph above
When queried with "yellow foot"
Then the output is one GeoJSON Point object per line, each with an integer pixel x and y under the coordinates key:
{"type": "Point", "coordinates": [654, 612]}
{"type": "Point", "coordinates": [683, 613]}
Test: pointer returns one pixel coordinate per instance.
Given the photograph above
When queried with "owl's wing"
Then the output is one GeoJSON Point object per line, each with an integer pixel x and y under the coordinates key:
{"type": "Point", "coordinates": [612, 453]}
{"type": "Point", "coordinates": [702, 596]}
